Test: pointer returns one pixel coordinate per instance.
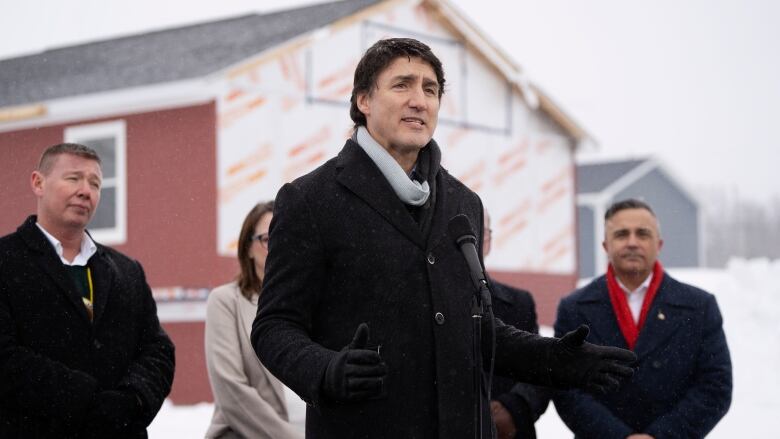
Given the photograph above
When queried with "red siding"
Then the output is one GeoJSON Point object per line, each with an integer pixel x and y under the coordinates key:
{"type": "Point", "coordinates": [19, 155]}
{"type": "Point", "coordinates": [171, 192]}
{"type": "Point", "coordinates": [191, 382]}
{"type": "Point", "coordinates": [172, 201]}
{"type": "Point", "coordinates": [547, 290]}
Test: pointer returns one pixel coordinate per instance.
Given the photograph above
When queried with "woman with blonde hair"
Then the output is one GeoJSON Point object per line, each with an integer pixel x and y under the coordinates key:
{"type": "Point", "coordinates": [249, 402]}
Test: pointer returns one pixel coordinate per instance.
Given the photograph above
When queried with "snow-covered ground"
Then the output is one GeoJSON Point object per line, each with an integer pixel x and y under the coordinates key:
{"type": "Point", "coordinates": [748, 293]}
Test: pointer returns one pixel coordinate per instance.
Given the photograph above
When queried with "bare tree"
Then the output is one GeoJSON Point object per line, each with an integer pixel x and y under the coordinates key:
{"type": "Point", "coordinates": [739, 227]}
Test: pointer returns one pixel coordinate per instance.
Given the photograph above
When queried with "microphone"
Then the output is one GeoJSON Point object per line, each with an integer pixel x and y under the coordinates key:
{"type": "Point", "coordinates": [460, 229]}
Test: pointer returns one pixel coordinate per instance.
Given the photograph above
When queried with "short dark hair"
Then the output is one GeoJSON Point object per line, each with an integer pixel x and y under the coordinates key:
{"type": "Point", "coordinates": [51, 153]}
{"type": "Point", "coordinates": [630, 203]}
{"type": "Point", "coordinates": [248, 281]}
{"type": "Point", "coordinates": [381, 55]}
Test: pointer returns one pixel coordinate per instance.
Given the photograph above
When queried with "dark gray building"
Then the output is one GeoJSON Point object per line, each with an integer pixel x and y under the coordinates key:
{"type": "Point", "coordinates": [601, 184]}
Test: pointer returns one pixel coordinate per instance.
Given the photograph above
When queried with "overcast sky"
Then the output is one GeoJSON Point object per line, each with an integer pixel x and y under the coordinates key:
{"type": "Point", "coordinates": [695, 83]}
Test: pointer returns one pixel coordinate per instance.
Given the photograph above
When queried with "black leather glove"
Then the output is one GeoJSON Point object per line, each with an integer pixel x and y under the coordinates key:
{"type": "Point", "coordinates": [355, 373]}
{"type": "Point", "coordinates": [598, 369]}
{"type": "Point", "coordinates": [111, 414]}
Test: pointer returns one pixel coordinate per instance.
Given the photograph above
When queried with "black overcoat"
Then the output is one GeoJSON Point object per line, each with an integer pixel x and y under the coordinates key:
{"type": "Point", "coordinates": [53, 360]}
{"type": "Point", "coordinates": [345, 250]}
{"type": "Point", "coordinates": [682, 385]}
{"type": "Point", "coordinates": [525, 402]}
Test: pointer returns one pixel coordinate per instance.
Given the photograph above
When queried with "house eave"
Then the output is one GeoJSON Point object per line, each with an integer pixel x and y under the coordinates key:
{"type": "Point", "coordinates": [106, 104]}
{"type": "Point", "coordinates": [503, 63]}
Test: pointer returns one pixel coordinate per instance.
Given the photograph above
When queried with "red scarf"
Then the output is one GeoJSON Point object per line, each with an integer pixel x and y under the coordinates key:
{"type": "Point", "coordinates": [619, 301]}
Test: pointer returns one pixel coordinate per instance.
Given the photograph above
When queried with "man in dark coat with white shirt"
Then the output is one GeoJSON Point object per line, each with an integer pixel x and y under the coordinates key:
{"type": "Point", "coordinates": [82, 353]}
{"type": "Point", "coordinates": [366, 306]}
{"type": "Point", "coordinates": [682, 386]}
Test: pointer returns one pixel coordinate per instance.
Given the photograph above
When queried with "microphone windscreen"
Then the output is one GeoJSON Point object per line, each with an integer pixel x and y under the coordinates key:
{"type": "Point", "coordinates": [460, 229]}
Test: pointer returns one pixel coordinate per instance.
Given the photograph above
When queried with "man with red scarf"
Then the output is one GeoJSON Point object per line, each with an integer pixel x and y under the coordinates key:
{"type": "Point", "coordinates": [682, 385]}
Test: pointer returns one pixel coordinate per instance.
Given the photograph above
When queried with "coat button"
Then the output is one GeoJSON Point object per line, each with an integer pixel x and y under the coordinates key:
{"type": "Point", "coordinates": [97, 344]}
{"type": "Point", "coordinates": [656, 364]}
{"type": "Point", "coordinates": [439, 317]}
{"type": "Point", "coordinates": [431, 258]}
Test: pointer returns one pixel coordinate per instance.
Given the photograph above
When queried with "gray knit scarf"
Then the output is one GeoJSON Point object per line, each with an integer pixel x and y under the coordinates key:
{"type": "Point", "coordinates": [409, 191]}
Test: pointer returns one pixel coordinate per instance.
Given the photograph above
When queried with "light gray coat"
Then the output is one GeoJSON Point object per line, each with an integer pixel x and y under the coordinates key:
{"type": "Point", "coordinates": [248, 401]}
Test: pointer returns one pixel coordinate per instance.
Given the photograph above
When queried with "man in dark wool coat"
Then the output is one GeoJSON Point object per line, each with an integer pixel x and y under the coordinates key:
{"type": "Point", "coordinates": [82, 354]}
{"type": "Point", "coordinates": [515, 406]}
{"type": "Point", "coordinates": [366, 307]}
{"type": "Point", "coordinates": [682, 386]}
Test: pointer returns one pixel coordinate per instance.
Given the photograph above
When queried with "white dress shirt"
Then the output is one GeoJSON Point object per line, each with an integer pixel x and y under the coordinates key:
{"type": "Point", "coordinates": [637, 297]}
{"type": "Point", "coordinates": [88, 248]}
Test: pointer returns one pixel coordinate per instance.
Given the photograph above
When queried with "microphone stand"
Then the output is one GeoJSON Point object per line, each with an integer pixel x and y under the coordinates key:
{"type": "Point", "coordinates": [460, 228]}
{"type": "Point", "coordinates": [476, 322]}
{"type": "Point", "coordinates": [481, 304]}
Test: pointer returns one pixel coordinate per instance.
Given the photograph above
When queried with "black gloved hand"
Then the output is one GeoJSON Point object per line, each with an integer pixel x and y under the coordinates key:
{"type": "Point", "coordinates": [111, 413]}
{"type": "Point", "coordinates": [355, 373]}
{"type": "Point", "coordinates": [598, 369]}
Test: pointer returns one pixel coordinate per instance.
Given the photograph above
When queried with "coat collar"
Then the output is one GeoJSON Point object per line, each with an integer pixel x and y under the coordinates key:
{"type": "Point", "coordinates": [105, 270]}
{"type": "Point", "coordinates": [499, 292]}
{"type": "Point", "coordinates": [597, 311]}
{"type": "Point", "coordinates": [359, 174]}
{"type": "Point", "coordinates": [449, 202]}
{"type": "Point", "coordinates": [667, 313]}
{"type": "Point", "coordinates": [47, 259]}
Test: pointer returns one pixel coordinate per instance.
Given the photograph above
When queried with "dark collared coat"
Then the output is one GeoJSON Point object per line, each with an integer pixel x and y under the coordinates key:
{"type": "Point", "coordinates": [53, 360]}
{"type": "Point", "coordinates": [682, 386]}
{"type": "Point", "coordinates": [344, 249]}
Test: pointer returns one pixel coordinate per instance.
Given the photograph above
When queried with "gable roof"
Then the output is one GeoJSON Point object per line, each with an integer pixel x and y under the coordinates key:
{"type": "Point", "coordinates": [190, 53]}
{"type": "Point", "coordinates": [160, 56]}
{"type": "Point", "coordinates": [596, 177]}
